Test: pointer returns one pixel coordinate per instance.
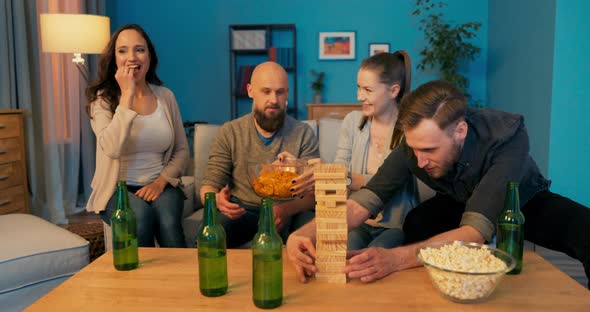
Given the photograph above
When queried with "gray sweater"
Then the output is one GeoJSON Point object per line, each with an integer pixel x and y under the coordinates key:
{"type": "Point", "coordinates": [238, 145]}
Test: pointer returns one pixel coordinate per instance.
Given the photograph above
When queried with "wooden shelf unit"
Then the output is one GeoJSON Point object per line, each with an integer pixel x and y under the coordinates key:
{"type": "Point", "coordinates": [273, 32]}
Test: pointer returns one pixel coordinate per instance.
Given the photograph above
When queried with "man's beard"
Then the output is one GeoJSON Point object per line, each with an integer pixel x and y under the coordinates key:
{"type": "Point", "coordinates": [446, 166]}
{"type": "Point", "coordinates": [270, 124]}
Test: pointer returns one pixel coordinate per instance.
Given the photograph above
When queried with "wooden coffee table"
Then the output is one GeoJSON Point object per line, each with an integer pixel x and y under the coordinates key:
{"type": "Point", "coordinates": [167, 280]}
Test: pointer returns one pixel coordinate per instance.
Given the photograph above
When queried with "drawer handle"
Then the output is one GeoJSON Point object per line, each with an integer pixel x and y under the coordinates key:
{"type": "Point", "coordinates": [3, 152]}
{"type": "Point", "coordinates": [4, 177]}
{"type": "Point", "coordinates": [2, 126]}
{"type": "Point", "coordinates": [4, 202]}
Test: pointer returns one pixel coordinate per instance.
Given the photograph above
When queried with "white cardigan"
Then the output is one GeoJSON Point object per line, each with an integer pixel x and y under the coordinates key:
{"type": "Point", "coordinates": [111, 132]}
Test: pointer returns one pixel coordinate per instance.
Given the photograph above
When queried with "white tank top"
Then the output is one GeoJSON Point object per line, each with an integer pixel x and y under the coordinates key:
{"type": "Point", "coordinates": [143, 153]}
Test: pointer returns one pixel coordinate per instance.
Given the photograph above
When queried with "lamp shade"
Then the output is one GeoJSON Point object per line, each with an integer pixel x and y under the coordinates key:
{"type": "Point", "coordinates": [74, 33]}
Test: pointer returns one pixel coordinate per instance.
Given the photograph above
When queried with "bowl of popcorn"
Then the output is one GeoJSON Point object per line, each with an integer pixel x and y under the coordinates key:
{"type": "Point", "coordinates": [465, 272]}
{"type": "Point", "coordinates": [274, 180]}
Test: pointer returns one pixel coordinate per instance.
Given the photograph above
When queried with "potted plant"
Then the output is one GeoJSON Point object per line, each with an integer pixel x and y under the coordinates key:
{"type": "Point", "coordinates": [317, 85]}
{"type": "Point", "coordinates": [448, 45]}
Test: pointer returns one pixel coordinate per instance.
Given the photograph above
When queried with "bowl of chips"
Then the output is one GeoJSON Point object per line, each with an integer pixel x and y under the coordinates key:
{"type": "Point", "coordinates": [275, 180]}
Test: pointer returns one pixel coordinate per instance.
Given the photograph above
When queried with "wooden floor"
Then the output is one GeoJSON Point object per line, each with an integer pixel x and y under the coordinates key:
{"type": "Point", "coordinates": [566, 264]}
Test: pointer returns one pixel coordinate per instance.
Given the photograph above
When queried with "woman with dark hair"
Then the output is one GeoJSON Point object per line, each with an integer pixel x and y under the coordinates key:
{"type": "Point", "coordinates": [140, 139]}
{"type": "Point", "coordinates": [366, 139]}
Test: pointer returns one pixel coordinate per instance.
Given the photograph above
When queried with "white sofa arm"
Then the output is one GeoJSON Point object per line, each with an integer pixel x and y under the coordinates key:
{"type": "Point", "coordinates": [204, 136]}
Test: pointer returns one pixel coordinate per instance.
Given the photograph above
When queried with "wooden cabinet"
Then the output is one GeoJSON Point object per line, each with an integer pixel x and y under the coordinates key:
{"type": "Point", "coordinates": [13, 167]}
{"type": "Point", "coordinates": [333, 111]}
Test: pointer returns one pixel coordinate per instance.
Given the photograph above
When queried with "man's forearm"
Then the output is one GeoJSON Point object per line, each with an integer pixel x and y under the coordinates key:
{"type": "Point", "coordinates": [407, 254]}
{"type": "Point", "coordinates": [355, 214]}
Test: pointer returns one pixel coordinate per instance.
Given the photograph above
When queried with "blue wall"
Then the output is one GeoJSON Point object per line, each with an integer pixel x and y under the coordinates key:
{"type": "Point", "coordinates": [520, 66]}
{"type": "Point", "coordinates": [570, 129]}
{"type": "Point", "coordinates": [538, 66]}
{"type": "Point", "coordinates": [192, 41]}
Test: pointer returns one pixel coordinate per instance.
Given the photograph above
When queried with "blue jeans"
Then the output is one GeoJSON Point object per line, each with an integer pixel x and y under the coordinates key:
{"type": "Point", "coordinates": [371, 236]}
{"type": "Point", "coordinates": [160, 219]}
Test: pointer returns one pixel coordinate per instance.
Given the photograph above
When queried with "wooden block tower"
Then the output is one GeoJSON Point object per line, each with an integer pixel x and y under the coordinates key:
{"type": "Point", "coordinates": [331, 227]}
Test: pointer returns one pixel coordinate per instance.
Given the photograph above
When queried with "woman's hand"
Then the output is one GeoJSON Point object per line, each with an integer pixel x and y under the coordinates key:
{"type": "Point", "coordinates": [152, 191]}
{"type": "Point", "coordinates": [126, 81]}
{"type": "Point", "coordinates": [303, 184]}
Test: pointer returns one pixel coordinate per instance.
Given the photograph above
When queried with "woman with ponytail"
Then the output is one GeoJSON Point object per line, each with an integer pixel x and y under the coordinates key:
{"type": "Point", "coordinates": [366, 139]}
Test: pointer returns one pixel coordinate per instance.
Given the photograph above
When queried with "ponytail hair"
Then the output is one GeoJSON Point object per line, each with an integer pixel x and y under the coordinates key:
{"type": "Point", "coordinates": [398, 134]}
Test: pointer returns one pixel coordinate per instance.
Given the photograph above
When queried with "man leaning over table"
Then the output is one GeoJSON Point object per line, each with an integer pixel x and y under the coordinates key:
{"type": "Point", "coordinates": [467, 156]}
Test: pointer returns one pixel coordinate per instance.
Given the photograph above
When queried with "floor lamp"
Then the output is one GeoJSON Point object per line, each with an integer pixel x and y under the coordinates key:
{"type": "Point", "coordinates": [74, 33]}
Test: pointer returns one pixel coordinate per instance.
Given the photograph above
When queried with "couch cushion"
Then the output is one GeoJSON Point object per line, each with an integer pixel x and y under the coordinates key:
{"type": "Point", "coordinates": [313, 124]}
{"type": "Point", "coordinates": [188, 188]}
{"type": "Point", "coordinates": [33, 250]}
{"type": "Point", "coordinates": [329, 130]}
{"type": "Point", "coordinates": [190, 226]}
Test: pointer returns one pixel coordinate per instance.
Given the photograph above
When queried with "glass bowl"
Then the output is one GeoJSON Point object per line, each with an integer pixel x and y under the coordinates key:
{"type": "Point", "coordinates": [465, 272]}
{"type": "Point", "coordinates": [275, 180]}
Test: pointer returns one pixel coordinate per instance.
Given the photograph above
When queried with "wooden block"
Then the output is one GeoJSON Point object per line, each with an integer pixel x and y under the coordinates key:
{"type": "Point", "coordinates": [327, 204]}
{"type": "Point", "coordinates": [324, 185]}
{"type": "Point", "coordinates": [331, 258]}
{"type": "Point", "coordinates": [339, 195]}
{"type": "Point", "coordinates": [329, 268]}
{"type": "Point", "coordinates": [331, 224]}
{"type": "Point", "coordinates": [331, 278]}
{"type": "Point", "coordinates": [329, 214]}
{"type": "Point", "coordinates": [329, 171]}
{"type": "Point", "coordinates": [327, 247]}
{"type": "Point", "coordinates": [333, 206]}
{"type": "Point", "coordinates": [330, 168]}
{"type": "Point", "coordinates": [329, 175]}
{"type": "Point", "coordinates": [331, 235]}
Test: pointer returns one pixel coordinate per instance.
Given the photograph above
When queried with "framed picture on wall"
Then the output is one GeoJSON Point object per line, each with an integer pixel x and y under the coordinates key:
{"type": "Point", "coordinates": [337, 45]}
{"type": "Point", "coordinates": [376, 48]}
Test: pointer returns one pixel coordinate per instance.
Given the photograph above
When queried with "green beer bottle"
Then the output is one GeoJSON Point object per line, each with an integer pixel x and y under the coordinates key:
{"type": "Point", "coordinates": [124, 226]}
{"type": "Point", "coordinates": [267, 261]}
{"type": "Point", "coordinates": [211, 249]}
{"type": "Point", "coordinates": [510, 227]}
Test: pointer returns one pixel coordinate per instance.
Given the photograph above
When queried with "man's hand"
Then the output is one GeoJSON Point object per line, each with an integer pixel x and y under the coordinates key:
{"type": "Point", "coordinates": [153, 190]}
{"type": "Point", "coordinates": [302, 255]}
{"type": "Point", "coordinates": [371, 264]}
{"type": "Point", "coordinates": [231, 210]}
